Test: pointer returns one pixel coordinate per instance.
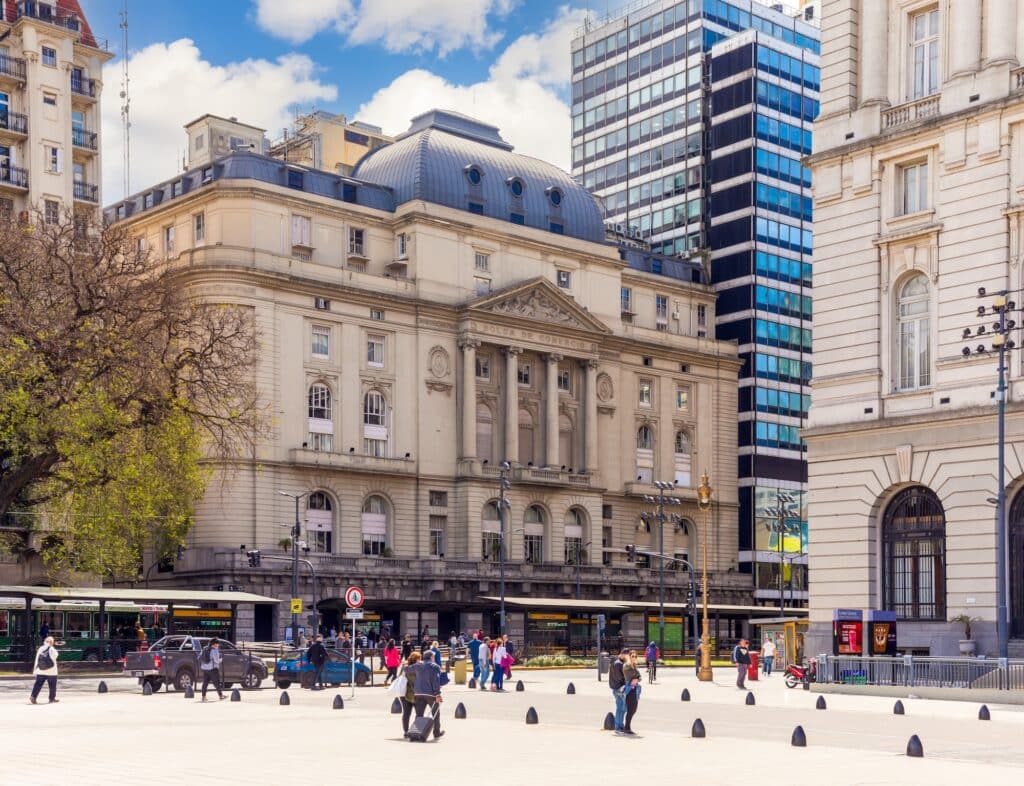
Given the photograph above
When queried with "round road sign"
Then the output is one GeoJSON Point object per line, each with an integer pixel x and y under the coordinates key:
{"type": "Point", "coordinates": [354, 597]}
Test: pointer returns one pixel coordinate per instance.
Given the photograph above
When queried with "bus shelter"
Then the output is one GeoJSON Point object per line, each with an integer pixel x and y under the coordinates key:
{"type": "Point", "coordinates": [82, 617]}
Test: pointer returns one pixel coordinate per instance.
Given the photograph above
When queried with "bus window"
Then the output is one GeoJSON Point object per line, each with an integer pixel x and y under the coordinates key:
{"type": "Point", "coordinates": [77, 625]}
{"type": "Point", "coordinates": [54, 620]}
{"type": "Point", "coordinates": [4, 630]}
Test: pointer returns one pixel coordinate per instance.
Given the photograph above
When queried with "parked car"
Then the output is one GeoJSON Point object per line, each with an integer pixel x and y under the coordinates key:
{"type": "Point", "coordinates": [174, 660]}
{"type": "Point", "coordinates": [293, 667]}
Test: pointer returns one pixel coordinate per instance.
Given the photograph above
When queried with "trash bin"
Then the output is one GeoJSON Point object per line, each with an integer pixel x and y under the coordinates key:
{"type": "Point", "coordinates": [755, 657]}
{"type": "Point", "coordinates": [460, 669]}
{"type": "Point", "coordinates": [604, 663]}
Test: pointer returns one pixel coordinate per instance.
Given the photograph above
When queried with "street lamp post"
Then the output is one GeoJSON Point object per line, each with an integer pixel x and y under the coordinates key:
{"type": "Point", "coordinates": [502, 506]}
{"type": "Point", "coordinates": [661, 499]}
{"type": "Point", "coordinates": [704, 503]}
{"type": "Point", "coordinates": [296, 532]}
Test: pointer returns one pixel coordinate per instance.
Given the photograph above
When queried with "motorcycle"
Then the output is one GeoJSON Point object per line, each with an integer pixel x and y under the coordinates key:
{"type": "Point", "coordinates": [796, 674]}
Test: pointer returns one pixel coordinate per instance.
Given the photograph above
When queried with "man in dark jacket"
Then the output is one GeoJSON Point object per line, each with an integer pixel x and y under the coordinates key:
{"type": "Point", "coordinates": [427, 689]}
{"type": "Point", "coordinates": [741, 657]}
{"type": "Point", "coordinates": [617, 683]}
{"type": "Point", "coordinates": [317, 655]}
{"type": "Point", "coordinates": [474, 653]}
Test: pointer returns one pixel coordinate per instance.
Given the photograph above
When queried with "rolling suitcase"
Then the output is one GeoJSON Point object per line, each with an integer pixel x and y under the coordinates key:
{"type": "Point", "coordinates": [421, 728]}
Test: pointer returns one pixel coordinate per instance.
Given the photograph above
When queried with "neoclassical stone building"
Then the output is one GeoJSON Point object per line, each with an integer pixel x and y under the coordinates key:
{"type": "Point", "coordinates": [451, 306]}
{"type": "Point", "coordinates": [919, 198]}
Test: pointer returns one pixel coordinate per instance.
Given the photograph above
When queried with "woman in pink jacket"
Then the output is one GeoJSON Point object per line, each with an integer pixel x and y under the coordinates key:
{"type": "Point", "coordinates": [392, 660]}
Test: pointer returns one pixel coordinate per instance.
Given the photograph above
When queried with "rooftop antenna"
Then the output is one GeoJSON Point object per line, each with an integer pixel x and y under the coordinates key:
{"type": "Point", "coordinates": [126, 125]}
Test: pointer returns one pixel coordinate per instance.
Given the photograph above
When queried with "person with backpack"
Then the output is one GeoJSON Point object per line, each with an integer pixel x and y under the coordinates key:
{"type": "Point", "coordinates": [617, 684]}
{"type": "Point", "coordinates": [209, 664]}
{"type": "Point", "coordinates": [651, 655]}
{"type": "Point", "coordinates": [741, 657]}
{"type": "Point", "coordinates": [45, 670]}
{"type": "Point", "coordinates": [317, 655]}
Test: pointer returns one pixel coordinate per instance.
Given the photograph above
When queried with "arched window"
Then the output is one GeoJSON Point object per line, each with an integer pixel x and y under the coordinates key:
{"type": "Point", "coordinates": [374, 523]}
{"type": "Point", "coordinates": [914, 326]}
{"type": "Point", "coordinates": [565, 433]}
{"type": "Point", "coordinates": [321, 423]}
{"type": "Point", "coordinates": [490, 531]}
{"type": "Point", "coordinates": [644, 438]}
{"type": "Point", "coordinates": [575, 523]}
{"type": "Point", "coordinates": [320, 522]}
{"type": "Point", "coordinates": [484, 432]}
{"type": "Point", "coordinates": [644, 454]}
{"type": "Point", "coordinates": [533, 537]}
{"type": "Point", "coordinates": [375, 424]}
{"type": "Point", "coordinates": [683, 458]}
{"type": "Point", "coordinates": [525, 437]}
{"type": "Point", "coordinates": [913, 556]}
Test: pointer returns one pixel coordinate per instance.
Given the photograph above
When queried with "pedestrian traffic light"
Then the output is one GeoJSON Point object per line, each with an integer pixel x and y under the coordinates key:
{"type": "Point", "coordinates": [254, 558]}
{"type": "Point", "coordinates": [630, 552]}
{"type": "Point", "coordinates": [691, 596]}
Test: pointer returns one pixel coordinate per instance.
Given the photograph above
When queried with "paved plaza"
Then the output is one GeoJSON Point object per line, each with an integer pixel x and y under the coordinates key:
{"type": "Point", "coordinates": [90, 738]}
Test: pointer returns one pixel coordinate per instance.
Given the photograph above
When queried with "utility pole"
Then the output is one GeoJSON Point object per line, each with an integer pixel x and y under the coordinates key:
{"type": "Point", "coordinates": [661, 500]}
{"type": "Point", "coordinates": [503, 504]}
{"type": "Point", "coordinates": [296, 532]}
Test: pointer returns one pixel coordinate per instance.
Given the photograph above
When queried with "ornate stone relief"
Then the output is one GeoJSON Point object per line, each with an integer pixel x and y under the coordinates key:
{"type": "Point", "coordinates": [537, 305]}
{"type": "Point", "coordinates": [605, 389]}
{"type": "Point", "coordinates": [440, 362]}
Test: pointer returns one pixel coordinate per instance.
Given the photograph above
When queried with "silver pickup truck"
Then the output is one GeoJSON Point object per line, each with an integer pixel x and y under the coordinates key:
{"type": "Point", "coordinates": [174, 660]}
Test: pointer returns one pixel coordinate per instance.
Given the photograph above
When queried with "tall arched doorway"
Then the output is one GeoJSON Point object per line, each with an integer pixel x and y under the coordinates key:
{"type": "Point", "coordinates": [1016, 560]}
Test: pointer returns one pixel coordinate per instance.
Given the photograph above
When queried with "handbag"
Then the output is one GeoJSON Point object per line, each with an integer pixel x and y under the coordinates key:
{"type": "Point", "coordinates": [399, 686]}
{"type": "Point", "coordinates": [445, 679]}
{"type": "Point", "coordinates": [44, 661]}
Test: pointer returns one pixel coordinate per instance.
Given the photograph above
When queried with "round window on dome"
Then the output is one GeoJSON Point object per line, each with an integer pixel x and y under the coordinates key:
{"type": "Point", "coordinates": [555, 195]}
{"type": "Point", "coordinates": [516, 186]}
{"type": "Point", "coordinates": [474, 175]}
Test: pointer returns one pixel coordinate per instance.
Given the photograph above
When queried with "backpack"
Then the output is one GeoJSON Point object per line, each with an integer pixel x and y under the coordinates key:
{"type": "Point", "coordinates": [205, 657]}
{"type": "Point", "coordinates": [736, 654]}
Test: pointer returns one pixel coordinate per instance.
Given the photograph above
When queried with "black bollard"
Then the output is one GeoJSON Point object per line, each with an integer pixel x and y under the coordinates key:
{"type": "Point", "coordinates": [284, 701]}
{"type": "Point", "coordinates": [339, 703]}
{"type": "Point", "coordinates": [750, 699]}
{"type": "Point", "coordinates": [235, 695]}
{"type": "Point", "coordinates": [531, 717]}
{"type": "Point", "coordinates": [821, 705]}
{"type": "Point", "coordinates": [571, 690]}
{"type": "Point", "coordinates": [460, 711]}
{"type": "Point", "coordinates": [396, 707]}
{"type": "Point", "coordinates": [609, 722]}
{"type": "Point", "coordinates": [520, 687]}
{"type": "Point", "coordinates": [983, 713]}
{"type": "Point", "coordinates": [799, 739]}
{"type": "Point", "coordinates": [698, 731]}
{"type": "Point", "coordinates": [897, 708]}
{"type": "Point", "coordinates": [685, 695]}
{"type": "Point", "coordinates": [147, 689]}
{"type": "Point", "coordinates": [472, 683]}
{"type": "Point", "coordinates": [914, 747]}
{"type": "Point", "coordinates": [189, 692]}
{"type": "Point", "coordinates": [102, 687]}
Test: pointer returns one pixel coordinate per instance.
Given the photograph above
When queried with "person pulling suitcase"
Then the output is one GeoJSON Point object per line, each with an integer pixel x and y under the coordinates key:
{"type": "Point", "coordinates": [427, 694]}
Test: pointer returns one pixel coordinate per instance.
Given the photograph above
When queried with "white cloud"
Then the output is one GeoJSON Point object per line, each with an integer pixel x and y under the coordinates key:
{"type": "Point", "coordinates": [521, 95]}
{"type": "Point", "coordinates": [171, 84]}
{"type": "Point", "coordinates": [398, 25]}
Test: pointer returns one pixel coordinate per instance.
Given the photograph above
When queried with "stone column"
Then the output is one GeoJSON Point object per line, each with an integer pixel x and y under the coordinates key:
{"type": "Point", "coordinates": [512, 403]}
{"type": "Point", "coordinates": [1001, 32]}
{"type": "Point", "coordinates": [468, 347]}
{"type": "Point", "coordinates": [551, 411]}
{"type": "Point", "coordinates": [964, 38]}
{"type": "Point", "coordinates": [590, 415]}
{"type": "Point", "coordinates": [874, 52]}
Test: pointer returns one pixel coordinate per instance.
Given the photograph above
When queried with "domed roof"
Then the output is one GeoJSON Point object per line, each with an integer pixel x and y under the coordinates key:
{"type": "Point", "coordinates": [453, 160]}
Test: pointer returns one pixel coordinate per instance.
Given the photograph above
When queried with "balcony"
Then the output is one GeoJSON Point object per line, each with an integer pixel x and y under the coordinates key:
{"type": "Point", "coordinates": [552, 477]}
{"type": "Point", "coordinates": [13, 176]}
{"type": "Point", "coordinates": [910, 112]}
{"type": "Point", "coordinates": [1017, 80]}
{"type": "Point", "coordinates": [83, 86]}
{"type": "Point", "coordinates": [12, 68]}
{"type": "Point", "coordinates": [84, 139]}
{"type": "Point", "coordinates": [352, 461]}
{"type": "Point", "coordinates": [86, 192]}
{"type": "Point", "coordinates": [13, 122]}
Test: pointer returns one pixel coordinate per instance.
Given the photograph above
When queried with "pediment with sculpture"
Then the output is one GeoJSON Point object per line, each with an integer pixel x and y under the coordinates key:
{"type": "Point", "coordinates": [540, 301]}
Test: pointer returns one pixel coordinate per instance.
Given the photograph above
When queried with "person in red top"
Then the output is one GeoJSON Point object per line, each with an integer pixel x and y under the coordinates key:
{"type": "Point", "coordinates": [392, 660]}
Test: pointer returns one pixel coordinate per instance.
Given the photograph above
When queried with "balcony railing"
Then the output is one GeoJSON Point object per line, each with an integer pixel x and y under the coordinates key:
{"type": "Point", "coordinates": [14, 121]}
{"type": "Point", "coordinates": [49, 13]}
{"type": "Point", "coordinates": [910, 112]}
{"type": "Point", "coordinates": [83, 86]}
{"type": "Point", "coordinates": [82, 138]}
{"type": "Point", "coordinates": [86, 192]}
{"type": "Point", "coordinates": [12, 66]}
{"type": "Point", "coordinates": [1017, 79]}
{"type": "Point", "coordinates": [13, 176]}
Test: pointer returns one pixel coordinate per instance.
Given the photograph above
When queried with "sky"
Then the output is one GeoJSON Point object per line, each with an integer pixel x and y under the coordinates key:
{"type": "Point", "coordinates": [379, 61]}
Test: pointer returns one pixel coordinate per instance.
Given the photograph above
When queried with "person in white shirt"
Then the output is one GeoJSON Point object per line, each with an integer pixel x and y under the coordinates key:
{"type": "Point", "coordinates": [767, 656]}
{"type": "Point", "coordinates": [498, 677]}
{"type": "Point", "coordinates": [45, 669]}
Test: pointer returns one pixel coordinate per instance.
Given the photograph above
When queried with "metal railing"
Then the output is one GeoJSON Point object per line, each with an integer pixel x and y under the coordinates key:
{"type": "Point", "coordinates": [911, 672]}
{"type": "Point", "coordinates": [12, 66]}
{"type": "Point", "coordinates": [13, 176]}
{"type": "Point", "coordinates": [82, 138]}
{"type": "Point", "coordinates": [14, 121]}
{"type": "Point", "coordinates": [83, 86]}
{"type": "Point", "coordinates": [86, 191]}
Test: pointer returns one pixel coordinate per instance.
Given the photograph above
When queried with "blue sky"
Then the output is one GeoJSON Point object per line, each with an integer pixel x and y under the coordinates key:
{"type": "Point", "coordinates": [381, 61]}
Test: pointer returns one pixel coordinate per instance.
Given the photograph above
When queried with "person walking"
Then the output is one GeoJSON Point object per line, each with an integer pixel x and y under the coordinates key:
{"type": "Point", "coordinates": [500, 656]}
{"type": "Point", "coordinates": [435, 647]}
{"type": "Point", "coordinates": [631, 674]}
{"type": "Point", "coordinates": [317, 655]}
{"type": "Point", "coordinates": [209, 664]}
{"type": "Point", "coordinates": [474, 654]}
{"type": "Point", "coordinates": [510, 650]}
{"type": "Point", "coordinates": [651, 656]}
{"type": "Point", "coordinates": [741, 657]}
{"type": "Point", "coordinates": [767, 656]}
{"type": "Point", "coordinates": [427, 692]}
{"type": "Point", "coordinates": [406, 646]}
{"type": "Point", "coordinates": [409, 697]}
{"type": "Point", "coordinates": [617, 684]}
{"type": "Point", "coordinates": [45, 670]}
{"type": "Point", "coordinates": [484, 658]}
{"type": "Point", "coordinates": [392, 659]}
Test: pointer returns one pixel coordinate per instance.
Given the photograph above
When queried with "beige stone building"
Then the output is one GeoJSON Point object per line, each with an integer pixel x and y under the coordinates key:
{"type": "Point", "coordinates": [333, 143]}
{"type": "Point", "coordinates": [919, 198]}
{"type": "Point", "coordinates": [450, 306]}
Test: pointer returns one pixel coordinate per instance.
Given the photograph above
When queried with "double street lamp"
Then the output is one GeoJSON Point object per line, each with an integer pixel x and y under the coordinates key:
{"type": "Point", "coordinates": [704, 492]}
{"type": "Point", "coordinates": [661, 499]}
{"type": "Point", "coordinates": [296, 532]}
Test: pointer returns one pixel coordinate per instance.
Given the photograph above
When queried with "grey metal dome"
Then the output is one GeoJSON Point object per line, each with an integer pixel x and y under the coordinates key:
{"type": "Point", "coordinates": [453, 160]}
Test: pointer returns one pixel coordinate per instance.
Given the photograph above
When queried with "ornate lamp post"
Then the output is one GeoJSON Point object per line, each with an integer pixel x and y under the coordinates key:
{"type": "Point", "coordinates": [704, 503]}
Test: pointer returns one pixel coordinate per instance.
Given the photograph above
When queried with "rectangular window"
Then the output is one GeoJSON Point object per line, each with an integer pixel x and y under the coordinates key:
{"type": "Point", "coordinates": [483, 367]}
{"type": "Point", "coordinates": [198, 228]}
{"type": "Point", "coordinates": [565, 380]}
{"type": "Point", "coordinates": [646, 392]}
{"type": "Point", "coordinates": [481, 286]}
{"type": "Point", "coordinates": [564, 279]}
{"type": "Point", "coordinates": [355, 242]}
{"type": "Point", "coordinates": [200, 140]}
{"type": "Point", "coordinates": [375, 351]}
{"type": "Point", "coordinates": [377, 314]}
{"type": "Point", "coordinates": [523, 374]}
{"type": "Point", "coordinates": [913, 188]}
{"type": "Point", "coordinates": [626, 300]}
{"type": "Point", "coordinates": [321, 346]}
{"type": "Point", "coordinates": [438, 499]}
{"type": "Point", "coordinates": [517, 218]}
{"type": "Point", "coordinates": [53, 159]}
{"type": "Point", "coordinates": [702, 315]}
{"type": "Point", "coordinates": [924, 50]}
{"type": "Point", "coordinates": [302, 231]}
{"type": "Point", "coordinates": [402, 246]}
{"type": "Point", "coordinates": [50, 99]}
{"type": "Point", "coordinates": [476, 208]}
{"type": "Point", "coordinates": [294, 175]}
{"type": "Point", "coordinates": [482, 261]}
{"type": "Point", "coordinates": [52, 211]}
{"type": "Point", "coordinates": [661, 312]}
{"type": "Point", "coordinates": [438, 525]}
{"type": "Point", "coordinates": [606, 544]}
{"type": "Point", "coordinates": [533, 549]}
{"type": "Point", "coordinates": [169, 239]}
{"type": "Point", "coordinates": [49, 57]}
{"type": "Point", "coordinates": [490, 545]}
{"type": "Point", "coordinates": [374, 544]}
{"type": "Point", "coordinates": [683, 398]}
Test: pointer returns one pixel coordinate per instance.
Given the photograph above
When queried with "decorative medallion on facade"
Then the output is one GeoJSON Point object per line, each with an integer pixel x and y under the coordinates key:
{"type": "Point", "coordinates": [440, 362]}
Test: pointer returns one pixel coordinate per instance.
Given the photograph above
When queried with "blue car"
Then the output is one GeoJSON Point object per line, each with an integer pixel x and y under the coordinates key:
{"type": "Point", "coordinates": [294, 667]}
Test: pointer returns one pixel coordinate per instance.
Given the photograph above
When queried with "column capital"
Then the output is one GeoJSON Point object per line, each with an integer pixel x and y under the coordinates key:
{"type": "Point", "coordinates": [511, 350]}
{"type": "Point", "coordinates": [590, 364]}
{"type": "Point", "coordinates": [465, 342]}
{"type": "Point", "coordinates": [553, 357]}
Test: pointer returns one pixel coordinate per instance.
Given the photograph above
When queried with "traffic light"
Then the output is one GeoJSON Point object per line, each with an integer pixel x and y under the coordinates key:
{"type": "Point", "coordinates": [254, 558]}
{"type": "Point", "coordinates": [691, 596]}
{"type": "Point", "coordinates": [630, 552]}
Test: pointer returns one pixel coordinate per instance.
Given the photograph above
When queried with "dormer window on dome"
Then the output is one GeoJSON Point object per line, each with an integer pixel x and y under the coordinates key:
{"type": "Point", "coordinates": [473, 174]}
{"type": "Point", "coordinates": [516, 186]}
{"type": "Point", "coordinates": [555, 195]}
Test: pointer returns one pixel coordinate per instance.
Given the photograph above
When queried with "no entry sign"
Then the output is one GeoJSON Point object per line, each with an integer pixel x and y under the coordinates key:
{"type": "Point", "coordinates": [354, 597]}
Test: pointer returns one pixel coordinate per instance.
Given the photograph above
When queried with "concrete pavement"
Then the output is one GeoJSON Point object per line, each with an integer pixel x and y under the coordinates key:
{"type": "Point", "coordinates": [164, 739]}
